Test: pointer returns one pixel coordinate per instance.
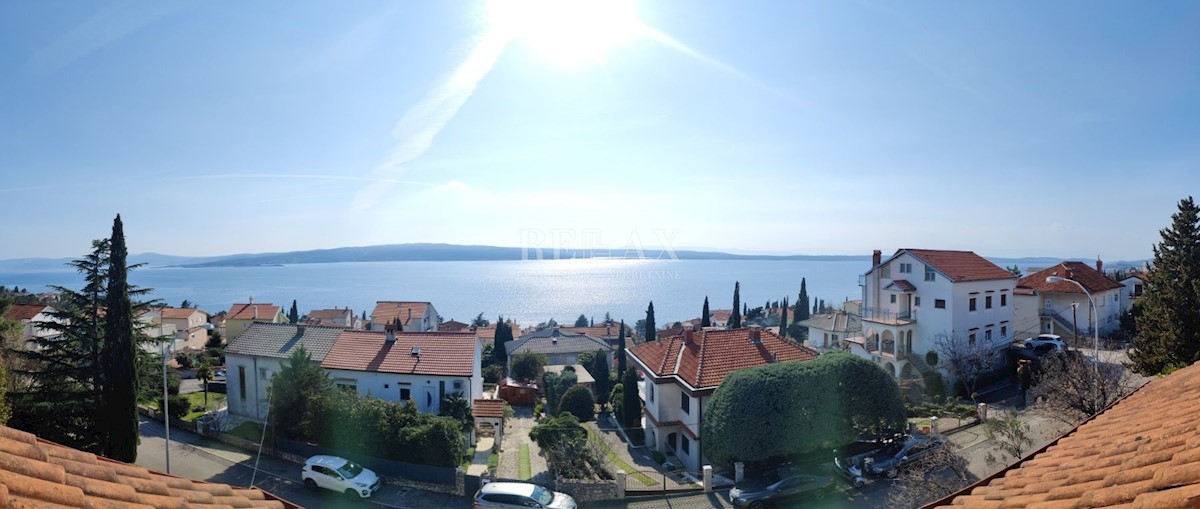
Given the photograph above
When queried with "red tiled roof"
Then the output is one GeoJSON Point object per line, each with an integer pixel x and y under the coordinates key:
{"type": "Point", "coordinates": [903, 285]}
{"type": "Point", "coordinates": [1090, 278]}
{"type": "Point", "coordinates": [329, 314]}
{"type": "Point", "coordinates": [242, 311]}
{"type": "Point", "coordinates": [442, 353]}
{"type": "Point", "coordinates": [325, 323]}
{"type": "Point", "coordinates": [1143, 451]}
{"type": "Point", "coordinates": [37, 473]}
{"type": "Point", "coordinates": [959, 265]}
{"type": "Point", "coordinates": [453, 326]}
{"type": "Point", "coordinates": [387, 311]}
{"type": "Point", "coordinates": [180, 313]}
{"type": "Point", "coordinates": [721, 315]}
{"type": "Point", "coordinates": [489, 408]}
{"type": "Point", "coordinates": [18, 312]}
{"type": "Point", "coordinates": [713, 355]}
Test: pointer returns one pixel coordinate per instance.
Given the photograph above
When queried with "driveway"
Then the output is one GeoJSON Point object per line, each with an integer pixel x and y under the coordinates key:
{"type": "Point", "coordinates": [516, 435]}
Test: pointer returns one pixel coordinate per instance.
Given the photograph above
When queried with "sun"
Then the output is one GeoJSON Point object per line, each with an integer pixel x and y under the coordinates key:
{"type": "Point", "coordinates": [567, 33]}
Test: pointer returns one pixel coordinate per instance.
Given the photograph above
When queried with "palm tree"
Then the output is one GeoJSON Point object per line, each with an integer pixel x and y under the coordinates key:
{"type": "Point", "coordinates": [204, 373]}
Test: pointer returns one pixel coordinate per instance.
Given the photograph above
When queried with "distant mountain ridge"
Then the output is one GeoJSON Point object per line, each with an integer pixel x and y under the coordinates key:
{"type": "Point", "coordinates": [456, 252]}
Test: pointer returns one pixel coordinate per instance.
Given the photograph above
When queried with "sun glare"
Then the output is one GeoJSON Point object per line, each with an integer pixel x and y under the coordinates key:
{"type": "Point", "coordinates": [568, 33]}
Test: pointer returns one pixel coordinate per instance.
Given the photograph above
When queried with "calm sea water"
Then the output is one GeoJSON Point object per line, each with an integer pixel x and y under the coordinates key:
{"type": "Point", "coordinates": [527, 291]}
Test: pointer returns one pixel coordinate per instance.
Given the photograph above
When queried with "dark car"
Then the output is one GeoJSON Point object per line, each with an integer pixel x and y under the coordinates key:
{"type": "Point", "coordinates": [782, 484]}
{"type": "Point", "coordinates": [887, 459]}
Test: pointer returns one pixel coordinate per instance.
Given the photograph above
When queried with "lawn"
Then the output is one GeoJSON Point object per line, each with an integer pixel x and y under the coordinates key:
{"type": "Point", "coordinates": [195, 399]}
{"type": "Point", "coordinates": [523, 469]}
{"type": "Point", "coordinates": [493, 462]}
{"type": "Point", "coordinates": [618, 461]}
{"type": "Point", "coordinates": [466, 461]}
{"type": "Point", "coordinates": [248, 430]}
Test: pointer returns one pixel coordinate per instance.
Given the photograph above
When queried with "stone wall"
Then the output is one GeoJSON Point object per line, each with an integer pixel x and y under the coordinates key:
{"type": "Point", "coordinates": [588, 491]}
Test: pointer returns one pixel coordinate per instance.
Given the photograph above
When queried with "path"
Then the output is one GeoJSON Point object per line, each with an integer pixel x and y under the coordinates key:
{"type": "Point", "coordinates": [516, 433]}
{"type": "Point", "coordinates": [483, 449]}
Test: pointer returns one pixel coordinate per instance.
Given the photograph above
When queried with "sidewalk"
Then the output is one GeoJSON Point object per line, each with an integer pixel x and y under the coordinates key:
{"type": "Point", "coordinates": [483, 449]}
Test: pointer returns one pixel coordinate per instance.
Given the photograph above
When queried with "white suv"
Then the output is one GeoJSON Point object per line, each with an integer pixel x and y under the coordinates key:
{"type": "Point", "coordinates": [340, 475]}
{"type": "Point", "coordinates": [1046, 342]}
{"type": "Point", "coordinates": [520, 494]}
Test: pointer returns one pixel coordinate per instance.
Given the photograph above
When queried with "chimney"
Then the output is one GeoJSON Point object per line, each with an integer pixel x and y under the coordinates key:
{"type": "Point", "coordinates": [391, 334]}
{"type": "Point", "coordinates": [689, 336]}
{"type": "Point", "coordinates": [755, 335]}
{"type": "Point", "coordinates": [876, 258]}
{"type": "Point", "coordinates": [774, 357]}
{"type": "Point", "coordinates": [300, 330]}
{"type": "Point", "coordinates": [255, 310]}
{"type": "Point", "coordinates": [1099, 265]}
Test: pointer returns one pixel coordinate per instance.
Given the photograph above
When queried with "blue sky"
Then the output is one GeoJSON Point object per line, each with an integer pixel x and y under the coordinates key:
{"type": "Point", "coordinates": [1007, 128]}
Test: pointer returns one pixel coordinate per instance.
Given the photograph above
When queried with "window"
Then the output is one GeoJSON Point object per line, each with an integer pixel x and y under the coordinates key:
{"type": "Point", "coordinates": [987, 302]}
{"type": "Point", "coordinates": [458, 386]}
{"type": "Point", "coordinates": [917, 301]}
{"type": "Point", "coordinates": [263, 373]}
{"type": "Point", "coordinates": [405, 392]}
{"type": "Point", "coordinates": [939, 303]}
{"type": "Point", "coordinates": [242, 380]}
{"type": "Point", "coordinates": [971, 304]}
{"type": "Point", "coordinates": [885, 271]}
{"type": "Point", "coordinates": [906, 268]}
{"type": "Point", "coordinates": [1003, 331]}
{"type": "Point", "coordinates": [971, 338]}
{"type": "Point", "coordinates": [987, 335]}
{"type": "Point", "coordinates": [685, 403]}
{"type": "Point", "coordinates": [930, 274]}
{"type": "Point", "coordinates": [893, 298]}
{"type": "Point", "coordinates": [650, 391]}
{"type": "Point", "coordinates": [686, 445]}
{"type": "Point", "coordinates": [1003, 299]}
{"type": "Point", "coordinates": [347, 385]}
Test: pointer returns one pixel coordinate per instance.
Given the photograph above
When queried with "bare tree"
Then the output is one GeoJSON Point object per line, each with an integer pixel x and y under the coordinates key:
{"type": "Point", "coordinates": [935, 475]}
{"type": "Point", "coordinates": [1011, 437]}
{"type": "Point", "coordinates": [1071, 387]}
{"type": "Point", "coordinates": [966, 360]}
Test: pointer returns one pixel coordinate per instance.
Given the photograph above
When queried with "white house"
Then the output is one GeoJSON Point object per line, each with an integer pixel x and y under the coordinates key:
{"type": "Point", "coordinates": [412, 316]}
{"type": "Point", "coordinates": [1135, 286]}
{"type": "Point", "coordinates": [919, 295]}
{"type": "Point", "coordinates": [1063, 308]}
{"type": "Point", "coordinates": [32, 318]}
{"type": "Point", "coordinates": [255, 355]}
{"type": "Point", "coordinates": [191, 325]}
{"type": "Point", "coordinates": [422, 367]}
{"type": "Point", "coordinates": [681, 372]}
{"type": "Point", "coordinates": [828, 330]}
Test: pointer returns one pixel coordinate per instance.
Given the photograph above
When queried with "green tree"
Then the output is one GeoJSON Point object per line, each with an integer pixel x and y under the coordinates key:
{"type": "Point", "coordinates": [118, 417]}
{"type": "Point", "coordinates": [458, 408]}
{"type": "Point", "coordinates": [525, 366]}
{"type": "Point", "coordinates": [631, 404]}
{"type": "Point", "coordinates": [705, 321]}
{"type": "Point", "coordinates": [480, 321]}
{"type": "Point", "coordinates": [805, 407]}
{"type": "Point", "coordinates": [579, 402]}
{"type": "Point", "coordinates": [783, 323]}
{"type": "Point", "coordinates": [502, 337]}
{"type": "Point", "coordinates": [1168, 323]}
{"type": "Point", "coordinates": [735, 320]}
{"type": "Point", "coordinates": [651, 331]}
{"type": "Point", "coordinates": [599, 371]}
{"type": "Point", "coordinates": [617, 397]}
{"type": "Point", "coordinates": [621, 349]}
{"type": "Point", "coordinates": [294, 314]}
{"type": "Point", "coordinates": [582, 321]}
{"type": "Point", "coordinates": [204, 374]}
{"type": "Point", "coordinates": [297, 390]}
{"type": "Point", "coordinates": [10, 334]}
{"type": "Point", "coordinates": [802, 303]}
{"type": "Point", "coordinates": [185, 304]}
{"type": "Point", "coordinates": [555, 385]}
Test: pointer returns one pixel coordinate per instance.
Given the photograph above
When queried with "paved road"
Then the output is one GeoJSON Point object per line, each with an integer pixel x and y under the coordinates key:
{"type": "Point", "coordinates": [199, 458]}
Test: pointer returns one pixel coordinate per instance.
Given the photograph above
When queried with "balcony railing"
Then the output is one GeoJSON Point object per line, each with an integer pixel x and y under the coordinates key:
{"type": "Point", "coordinates": [886, 315]}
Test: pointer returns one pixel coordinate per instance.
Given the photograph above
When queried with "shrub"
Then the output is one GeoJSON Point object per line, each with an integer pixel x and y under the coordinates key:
{"type": "Point", "coordinates": [493, 373]}
{"type": "Point", "coordinates": [178, 405]}
{"type": "Point", "coordinates": [185, 360]}
{"type": "Point", "coordinates": [935, 386]}
{"type": "Point", "coordinates": [617, 399]}
{"type": "Point", "coordinates": [525, 366]}
{"type": "Point", "coordinates": [659, 457]}
{"type": "Point", "coordinates": [579, 402]}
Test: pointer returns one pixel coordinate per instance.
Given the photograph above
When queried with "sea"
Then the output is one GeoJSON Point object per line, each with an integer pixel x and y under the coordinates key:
{"type": "Point", "coordinates": [528, 291]}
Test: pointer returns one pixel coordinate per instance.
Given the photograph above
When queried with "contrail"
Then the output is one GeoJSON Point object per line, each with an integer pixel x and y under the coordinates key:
{"type": "Point", "coordinates": [422, 123]}
{"type": "Point", "coordinates": [676, 45]}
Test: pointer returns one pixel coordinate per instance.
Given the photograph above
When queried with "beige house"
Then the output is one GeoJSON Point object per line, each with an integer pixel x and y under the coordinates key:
{"type": "Point", "coordinates": [191, 325]}
{"type": "Point", "coordinates": [412, 316]}
{"type": "Point", "coordinates": [240, 316]}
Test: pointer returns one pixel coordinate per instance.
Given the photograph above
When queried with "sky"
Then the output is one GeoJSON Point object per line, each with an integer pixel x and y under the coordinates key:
{"type": "Point", "coordinates": [1066, 129]}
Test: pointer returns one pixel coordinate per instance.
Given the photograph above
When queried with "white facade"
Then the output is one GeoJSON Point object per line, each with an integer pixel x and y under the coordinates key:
{"type": "Point", "coordinates": [1134, 288]}
{"type": "Point", "coordinates": [902, 321]}
{"type": "Point", "coordinates": [1062, 313]}
{"type": "Point", "coordinates": [249, 379]}
{"type": "Point", "coordinates": [669, 426]}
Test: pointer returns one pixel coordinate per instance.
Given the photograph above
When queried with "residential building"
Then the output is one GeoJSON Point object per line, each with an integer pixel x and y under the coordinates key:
{"type": "Point", "coordinates": [720, 317]}
{"type": "Point", "coordinates": [920, 296]}
{"type": "Point", "coordinates": [1135, 286]}
{"type": "Point", "coordinates": [255, 355]}
{"type": "Point", "coordinates": [1063, 308]}
{"type": "Point", "coordinates": [681, 372]}
{"type": "Point", "coordinates": [423, 367]}
{"type": "Point", "coordinates": [412, 316]}
{"type": "Point", "coordinates": [32, 317]}
{"type": "Point", "coordinates": [453, 326]}
{"type": "Point", "coordinates": [827, 331]}
{"type": "Point", "coordinates": [191, 325]}
{"type": "Point", "coordinates": [609, 332]}
{"type": "Point", "coordinates": [559, 347]}
{"type": "Point", "coordinates": [42, 474]}
{"type": "Point", "coordinates": [166, 335]}
{"type": "Point", "coordinates": [336, 316]}
{"type": "Point", "coordinates": [582, 375]}
{"type": "Point", "coordinates": [1143, 451]}
{"type": "Point", "coordinates": [240, 316]}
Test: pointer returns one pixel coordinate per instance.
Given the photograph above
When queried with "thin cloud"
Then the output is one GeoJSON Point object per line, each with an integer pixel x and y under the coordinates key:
{"type": "Point", "coordinates": [676, 45]}
{"type": "Point", "coordinates": [110, 24]}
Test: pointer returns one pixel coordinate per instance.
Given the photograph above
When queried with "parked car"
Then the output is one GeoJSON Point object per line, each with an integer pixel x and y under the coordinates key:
{"type": "Point", "coordinates": [520, 494]}
{"type": "Point", "coordinates": [340, 475]}
{"type": "Point", "coordinates": [782, 484]}
{"type": "Point", "coordinates": [888, 459]}
{"type": "Point", "coordinates": [1045, 342]}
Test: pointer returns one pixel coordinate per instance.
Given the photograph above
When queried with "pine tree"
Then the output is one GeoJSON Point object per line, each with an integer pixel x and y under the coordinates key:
{"type": "Point", "coordinates": [621, 349]}
{"type": "Point", "coordinates": [802, 302]}
{"type": "Point", "coordinates": [783, 319]}
{"type": "Point", "coordinates": [294, 314]}
{"type": "Point", "coordinates": [735, 321]}
{"type": "Point", "coordinates": [651, 332]}
{"type": "Point", "coordinates": [118, 419]}
{"type": "Point", "coordinates": [582, 321]}
{"type": "Point", "coordinates": [1168, 325]}
{"type": "Point", "coordinates": [705, 321]}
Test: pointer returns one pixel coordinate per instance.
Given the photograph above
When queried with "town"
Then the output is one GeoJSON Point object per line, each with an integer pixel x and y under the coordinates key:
{"type": "Point", "coordinates": [950, 380]}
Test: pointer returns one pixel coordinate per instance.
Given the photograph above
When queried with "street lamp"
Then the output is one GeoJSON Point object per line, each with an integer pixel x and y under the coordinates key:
{"type": "Point", "coordinates": [166, 403]}
{"type": "Point", "coordinates": [1095, 316]}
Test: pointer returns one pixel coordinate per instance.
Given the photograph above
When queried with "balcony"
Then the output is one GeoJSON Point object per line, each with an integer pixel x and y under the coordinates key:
{"type": "Point", "coordinates": [888, 316]}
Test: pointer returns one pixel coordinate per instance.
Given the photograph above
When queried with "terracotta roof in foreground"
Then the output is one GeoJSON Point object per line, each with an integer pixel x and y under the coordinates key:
{"type": "Point", "coordinates": [1090, 278]}
{"type": "Point", "coordinates": [1143, 452]}
{"type": "Point", "coordinates": [713, 354]}
{"type": "Point", "coordinates": [959, 265]}
{"type": "Point", "coordinates": [37, 473]}
{"type": "Point", "coordinates": [441, 353]}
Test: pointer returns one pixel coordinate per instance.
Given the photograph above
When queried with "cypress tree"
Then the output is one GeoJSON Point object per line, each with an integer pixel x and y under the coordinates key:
{"type": "Point", "coordinates": [704, 320]}
{"type": "Point", "coordinates": [735, 321]}
{"type": "Point", "coordinates": [631, 403]}
{"type": "Point", "coordinates": [118, 419]}
{"type": "Point", "coordinates": [816, 310]}
{"type": "Point", "coordinates": [294, 314]}
{"type": "Point", "coordinates": [1168, 326]}
{"type": "Point", "coordinates": [600, 372]}
{"type": "Point", "coordinates": [503, 336]}
{"type": "Point", "coordinates": [651, 331]}
{"type": "Point", "coordinates": [783, 319]}
{"type": "Point", "coordinates": [621, 349]}
{"type": "Point", "coordinates": [802, 302]}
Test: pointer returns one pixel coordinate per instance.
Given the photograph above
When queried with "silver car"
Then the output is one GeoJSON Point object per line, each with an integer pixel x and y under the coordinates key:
{"type": "Point", "coordinates": [340, 475]}
{"type": "Point", "coordinates": [520, 494]}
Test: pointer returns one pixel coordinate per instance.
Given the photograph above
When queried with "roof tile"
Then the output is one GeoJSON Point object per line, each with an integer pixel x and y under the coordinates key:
{"type": "Point", "coordinates": [1092, 279]}
{"type": "Point", "coordinates": [712, 355]}
{"type": "Point", "coordinates": [441, 353]}
{"type": "Point", "coordinates": [959, 265]}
